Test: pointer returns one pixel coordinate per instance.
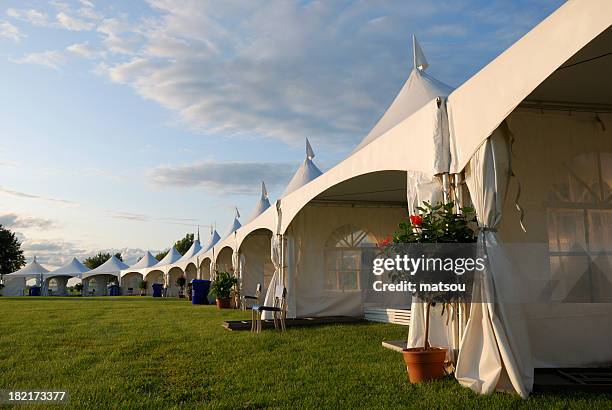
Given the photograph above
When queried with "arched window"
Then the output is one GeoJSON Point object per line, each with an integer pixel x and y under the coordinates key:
{"type": "Point", "coordinates": [349, 252]}
{"type": "Point", "coordinates": [579, 217]}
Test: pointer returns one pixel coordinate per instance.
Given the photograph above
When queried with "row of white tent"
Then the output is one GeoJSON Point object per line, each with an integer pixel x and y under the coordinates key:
{"type": "Point", "coordinates": [537, 110]}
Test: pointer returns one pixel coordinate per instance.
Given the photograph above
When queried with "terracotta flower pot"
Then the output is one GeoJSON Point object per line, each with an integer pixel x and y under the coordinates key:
{"type": "Point", "coordinates": [424, 364]}
{"type": "Point", "coordinates": [223, 303]}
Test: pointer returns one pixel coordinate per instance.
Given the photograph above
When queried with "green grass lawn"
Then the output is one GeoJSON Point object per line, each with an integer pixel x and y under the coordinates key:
{"type": "Point", "coordinates": [143, 352]}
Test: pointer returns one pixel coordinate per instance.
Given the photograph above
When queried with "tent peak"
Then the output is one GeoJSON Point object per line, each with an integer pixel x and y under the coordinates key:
{"type": "Point", "coordinates": [420, 62]}
{"type": "Point", "coordinates": [309, 151]}
{"type": "Point", "coordinates": [264, 191]}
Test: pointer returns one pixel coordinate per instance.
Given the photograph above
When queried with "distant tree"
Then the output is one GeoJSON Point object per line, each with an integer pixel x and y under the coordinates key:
{"type": "Point", "coordinates": [184, 244]}
{"type": "Point", "coordinates": [94, 261]}
{"type": "Point", "coordinates": [78, 287]}
{"type": "Point", "coordinates": [11, 255]}
{"type": "Point", "coordinates": [161, 255]}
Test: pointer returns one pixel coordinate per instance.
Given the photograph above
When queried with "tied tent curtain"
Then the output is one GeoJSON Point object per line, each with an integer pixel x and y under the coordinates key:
{"type": "Point", "coordinates": [495, 353]}
{"type": "Point", "coordinates": [276, 254]}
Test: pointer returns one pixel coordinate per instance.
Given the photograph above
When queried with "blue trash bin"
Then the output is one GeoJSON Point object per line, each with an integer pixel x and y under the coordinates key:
{"type": "Point", "coordinates": [199, 289]}
{"type": "Point", "coordinates": [157, 289]}
{"type": "Point", "coordinates": [113, 290]}
{"type": "Point", "coordinates": [34, 291]}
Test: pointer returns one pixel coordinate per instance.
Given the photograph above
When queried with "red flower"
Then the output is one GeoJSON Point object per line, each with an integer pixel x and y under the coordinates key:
{"type": "Point", "coordinates": [416, 220]}
{"type": "Point", "coordinates": [385, 242]}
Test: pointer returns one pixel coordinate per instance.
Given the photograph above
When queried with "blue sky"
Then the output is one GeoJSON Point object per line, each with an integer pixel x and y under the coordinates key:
{"type": "Point", "coordinates": [123, 125]}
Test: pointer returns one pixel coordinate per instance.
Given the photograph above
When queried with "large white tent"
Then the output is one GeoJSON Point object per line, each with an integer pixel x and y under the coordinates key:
{"type": "Point", "coordinates": [187, 262]}
{"type": "Point", "coordinates": [57, 280]}
{"type": "Point", "coordinates": [134, 275]}
{"type": "Point", "coordinates": [95, 281]}
{"type": "Point", "coordinates": [15, 283]}
{"type": "Point", "coordinates": [326, 231]}
{"type": "Point", "coordinates": [262, 204]}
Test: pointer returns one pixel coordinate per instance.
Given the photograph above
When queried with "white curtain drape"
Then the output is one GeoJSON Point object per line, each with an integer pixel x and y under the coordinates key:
{"type": "Point", "coordinates": [495, 352]}
{"type": "Point", "coordinates": [276, 254]}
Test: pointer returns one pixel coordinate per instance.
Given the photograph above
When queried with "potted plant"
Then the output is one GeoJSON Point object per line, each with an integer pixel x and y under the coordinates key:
{"type": "Point", "coordinates": [433, 224]}
{"type": "Point", "coordinates": [221, 289]}
{"type": "Point", "coordinates": [180, 282]}
{"type": "Point", "coordinates": [79, 288]}
{"type": "Point", "coordinates": [143, 287]}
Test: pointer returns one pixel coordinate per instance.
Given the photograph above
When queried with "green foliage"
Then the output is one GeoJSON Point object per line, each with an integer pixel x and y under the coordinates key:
{"type": "Point", "coordinates": [142, 284]}
{"type": "Point", "coordinates": [437, 224]}
{"type": "Point", "coordinates": [222, 286]}
{"type": "Point", "coordinates": [183, 245]}
{"type": "Point", "coordinates": [94, 261]}
{"type": "Point", "coordinates": [11, 255]}
{"type": "Point", "coordinates": [78, 287]}
{"type": "Point", "coordinates": [161, 255]}
{"type": "Point", "coordinates": [180, 281]}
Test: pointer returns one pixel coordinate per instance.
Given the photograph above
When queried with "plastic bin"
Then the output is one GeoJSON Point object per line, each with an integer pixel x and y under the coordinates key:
{"type": "Point", "coordinates": [199, 289]}
{"type": "Point", "coordinates": [34, 291]}
{"type": "Point", "coordinates": [113, 290]}
{"type": "Point", "coordinates": [157, 289]}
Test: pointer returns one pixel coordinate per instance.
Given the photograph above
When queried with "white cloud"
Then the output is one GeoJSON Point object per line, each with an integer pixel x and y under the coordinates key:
{"type": "Point", "coordinates": [32, 16]}
{"type": "Point", "coordinates": [12, 220]}
{"type": "Point", "coordinates": [18, 194]}
{"type": "Point", "coordinates": [73, 23]}
{"type": "Point", "coordinates": [82, 50]}
{"type": "Point", "coordinates": [8, 30]}
{"type": "Point", "coordinates": [226, 177]}
{"type": "Point", "coordinates": [50, 59]}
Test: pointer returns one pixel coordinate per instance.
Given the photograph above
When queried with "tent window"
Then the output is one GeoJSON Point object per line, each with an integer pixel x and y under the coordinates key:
{"type": "Point", "coordinates": [579, 217]}
{"type": "Point", "coordinates": [348, 255]}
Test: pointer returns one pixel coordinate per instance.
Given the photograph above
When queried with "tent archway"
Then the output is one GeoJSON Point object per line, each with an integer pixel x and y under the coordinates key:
{"type": "Point", "coordinates": [173, 274]}
{"type": "Point", "coordinates": [258, 267]}
{"type": "Point", "coordinates": [97, 285]}
{"type": "Point", "coordinates": [191, 272]}
{"type": "Point", "coordinates": [57, 285]}
{"type": "Point", "coordinates": [152, 277]}
{"type": "Point", "coordinates": [131, 280]}
{"type": "Point", "coordinates": [372, 204]}
{"type": "Point", "coordinates": [224, 259]}
{"type": "Point", "coordinates": [205, 269]}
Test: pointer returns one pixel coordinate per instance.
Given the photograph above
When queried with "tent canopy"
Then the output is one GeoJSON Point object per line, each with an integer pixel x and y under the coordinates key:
{"type": "Point", "coordinates": [305, 173]}
{"type": "Point", "coordinates": [192, 251]}
{"type": "Point", "coordinates": [262, 204]}
{"type": "Point", "coordinates": [30, 270]}
{"type": "Point", "coordinates": [146, 261]}
{"type": "Point", "coordinates": [74, 269]}
{"type": "Point", "coordinates": [235, 224]}
{"type": "Point", "coordinates": [113, 266]}
{"type": "Point", "coordinates": [171, 257]}
{"type": "Point", "coordinates": [561, 62]}
{"type": "Point", "coordinates": [418, 90]}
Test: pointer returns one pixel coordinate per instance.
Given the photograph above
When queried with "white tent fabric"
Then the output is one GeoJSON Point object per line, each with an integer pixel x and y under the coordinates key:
{"type": "Point", "coordinates": [147, 261]}
{"type": "Point", "coordinates": [235, 225]}
{"type": "Point", "coordinates": [481, 103]}
{"type": "Point", "coordinates": [113, 266]}
{"type": "Point", "coordinates": [13, 286]}
{"type": "Point", "coordinates": [262, 204]}
{"type": "Point", "coordinates": [31, 270]}
{"type": "Point", "coordinates": [494, 353]}
{"type": "Point", "coordinates": [417, 91]}
{"type": "Point", "coordinates": [171, 257]}
{"type": "Point", "coordinates": [192, 251]}
{"type": "Point", "coordinates": [305, 173]}
{"type": "Point", "coordinates": [74, 268]}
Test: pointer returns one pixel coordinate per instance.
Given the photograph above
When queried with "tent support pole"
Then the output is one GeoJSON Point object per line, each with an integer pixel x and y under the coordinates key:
{"type": "Point", "coordinates": [445, 187]}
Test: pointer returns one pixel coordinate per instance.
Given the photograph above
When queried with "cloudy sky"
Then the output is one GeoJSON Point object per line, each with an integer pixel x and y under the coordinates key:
{"type": "Point", "coordinates": [123, 125]}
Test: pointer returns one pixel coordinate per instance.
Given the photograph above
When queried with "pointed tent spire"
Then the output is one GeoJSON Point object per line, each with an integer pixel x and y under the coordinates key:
{"type": "Point", "coordinates": [262, 204]}
{"type": "Point", "coordinates": [309, 152]}
{"type": "Point", "coordinates": [420, 62]}
{"type": "Point", "coordinates": [237, 213]}
{"type": "Point", "coordinates": [264, 191]}
{"type": "Point", "coordinates": [305, 173]}
{"type": "Point", "coordinates": [418, 90]}
{"type": "Point", "coordinates": [198, 233]}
